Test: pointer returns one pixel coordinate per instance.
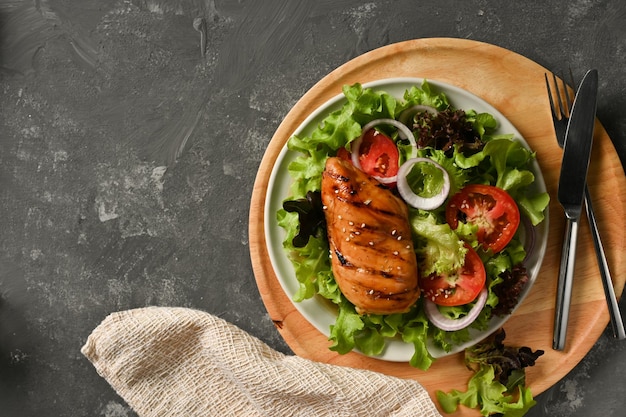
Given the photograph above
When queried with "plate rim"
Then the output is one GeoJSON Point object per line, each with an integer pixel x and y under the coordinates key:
{"type": "Point", "coordinates": [430, 56]}
{"type": "Point", "coordinates": [396, 351]}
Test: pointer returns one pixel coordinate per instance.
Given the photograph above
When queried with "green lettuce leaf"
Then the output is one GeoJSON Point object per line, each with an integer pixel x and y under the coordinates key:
{"type": "Point", "coordinates": [345, 329]}
{"type": "Point", "coordinates": [488, 395]}
{"type": "Point", "coordinates": [458, 175]}
{"type": "Point", "coordinates": [510, 159]}
{"type": "Point", "coordinates": [534, 206]}
{"type": "Point", "coordinates": [311, 264]}
{"type": "Point", "coordinates": [425, 179]}
{"type": "Point", "coordinates": [482, 122]}
{"type": "Point", "coordinates": [423, 95]}
{"type": "Point", "coordinates": [499, 377]}
{"type": "Point", "coordinates": [438, 248]}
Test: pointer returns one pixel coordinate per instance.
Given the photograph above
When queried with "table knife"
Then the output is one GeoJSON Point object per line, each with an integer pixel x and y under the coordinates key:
{"type": "Point", "coordinates": [573, 177]}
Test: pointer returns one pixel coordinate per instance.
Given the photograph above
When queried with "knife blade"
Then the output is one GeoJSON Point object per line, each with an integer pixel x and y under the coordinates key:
{"type": "Point", "coordinates": [572, 180]}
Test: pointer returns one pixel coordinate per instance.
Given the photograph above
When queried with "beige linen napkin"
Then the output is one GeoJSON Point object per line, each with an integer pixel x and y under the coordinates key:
{"type": "Point", "coordinates": [182, 362]}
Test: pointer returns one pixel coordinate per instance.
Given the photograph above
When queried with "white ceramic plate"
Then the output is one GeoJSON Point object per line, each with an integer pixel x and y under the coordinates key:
{"type": "Point", "coordinates": [316, 311]}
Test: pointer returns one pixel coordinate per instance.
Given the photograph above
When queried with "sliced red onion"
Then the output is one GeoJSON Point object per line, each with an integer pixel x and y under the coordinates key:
{"type": "Point", "coordinates": [450, 325]}
{"type": "Point", "coordinates": [403, 131]}
{"type": "Point", "coordinates": [413, 110]}
{"type": "Point", "coordinates": [419, 202]}
{"type": "Point", "coordinates": [529, 237]}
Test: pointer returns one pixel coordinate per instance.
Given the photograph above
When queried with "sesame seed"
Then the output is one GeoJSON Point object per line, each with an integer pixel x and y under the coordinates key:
{"type": "Point", "coordinates": [395, 252]}
{"type": "Point", "coordinates": [362, 225]}
{"type": "Point", "coordinates": [351, 223]}
{"type": "Point", "coordinates": [393, 232]}
{"type": "Point", "coordinates": [371, 243]}
{"type": "Point", "coordinates": [399, 238]}
{"type": "Point", "coordinates": [324, 207]}
{"type": "Point", "coordinates": [339, 216]}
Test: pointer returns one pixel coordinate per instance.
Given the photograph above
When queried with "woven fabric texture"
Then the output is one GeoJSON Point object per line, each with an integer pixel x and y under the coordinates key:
{"type": "Point", "coordinates": [183, 362]}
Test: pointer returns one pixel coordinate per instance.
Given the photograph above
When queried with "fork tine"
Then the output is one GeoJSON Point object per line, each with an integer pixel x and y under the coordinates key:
{"type": "Point", "coordinates": [550, 94]}
{"type": "Point", "coordinates": [563, 108]}
{"type": "Point", "coordinates": [554, 95]}
{"type": "Point", "coordinates": [561, 100]}
{"type": "Point", "coordinates": [560, 110]}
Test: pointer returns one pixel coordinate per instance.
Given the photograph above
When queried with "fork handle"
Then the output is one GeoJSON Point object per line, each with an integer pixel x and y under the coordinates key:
{"type": "Point", "coordinates": [564, 287]}
{"type": "Point", "coordinates": [614, 312]}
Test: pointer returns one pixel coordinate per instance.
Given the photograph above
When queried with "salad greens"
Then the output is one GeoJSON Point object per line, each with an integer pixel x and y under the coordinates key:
{"type": "Point", "coordinates": [439, 247]}
{"type": "Point", "coordinates": [499, 376]}
{"type": "Point", "coordinates": [487, 158]}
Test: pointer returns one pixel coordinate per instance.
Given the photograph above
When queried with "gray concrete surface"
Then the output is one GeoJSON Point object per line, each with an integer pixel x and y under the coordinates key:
{"type": "Point", "coordinates": [127, 160]}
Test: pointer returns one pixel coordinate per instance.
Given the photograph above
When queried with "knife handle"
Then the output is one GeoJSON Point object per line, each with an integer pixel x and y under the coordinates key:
{"type": "Point", "coordinates": [564, 287]}
{"type": "Point", "coordinates": [616, 317]}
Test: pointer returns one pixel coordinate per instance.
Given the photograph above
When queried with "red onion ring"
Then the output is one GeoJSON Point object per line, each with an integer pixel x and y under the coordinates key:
{"type": "Point", "coordinates": [529, 237]}
{"type": "Point", "coordinates": [424, 203]}
{"type": "Point", "coordinates": [403, 131]}
{"type": "Point", "coordinates": [413, 110]}
{"type": "Point", "coordinates": [450, 325]}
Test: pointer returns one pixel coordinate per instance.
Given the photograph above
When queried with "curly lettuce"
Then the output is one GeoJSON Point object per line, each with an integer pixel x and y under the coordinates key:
{"type": "Point", "coordinates": [497, 386]}
{"type": "Point", "coordinates": [502, 161]}
{"type": "Point", "coordinates": [439, 249]}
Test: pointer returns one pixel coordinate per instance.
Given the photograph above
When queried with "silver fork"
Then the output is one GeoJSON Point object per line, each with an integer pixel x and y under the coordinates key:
{"type": "Point", "coordinates": [561, 104]}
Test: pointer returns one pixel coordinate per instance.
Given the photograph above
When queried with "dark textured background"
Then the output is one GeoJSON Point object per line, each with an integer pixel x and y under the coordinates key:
{"type": "Point", "coordinates": [127, 161]}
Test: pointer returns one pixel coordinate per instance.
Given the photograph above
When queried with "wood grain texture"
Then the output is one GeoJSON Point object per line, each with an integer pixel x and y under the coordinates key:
{"type": "Point", "coordinates": [515, 86]}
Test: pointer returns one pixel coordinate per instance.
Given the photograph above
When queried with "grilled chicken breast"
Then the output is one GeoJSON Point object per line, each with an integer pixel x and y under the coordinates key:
{"type": "Point", "coordinates": [373, 260]}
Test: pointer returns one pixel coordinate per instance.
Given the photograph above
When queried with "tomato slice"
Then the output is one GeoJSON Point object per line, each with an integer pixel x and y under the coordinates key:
{"type": "Point", "coordinates": [456, 289]}
{"type": "Point", "coordinates": [490, 208]}
{"type": "Point", "coordinates": [378, 155]}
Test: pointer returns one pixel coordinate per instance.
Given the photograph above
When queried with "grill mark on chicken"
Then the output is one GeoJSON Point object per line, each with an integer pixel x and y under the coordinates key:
{"type": "Point", "coordinates": [360, 204]}
{"type": "Point", "coordinates": [370, 271]}
{"type": "Point", "coordinates": [346, 192]}
{"type": "Point", "coordinates": [342, 259]}
{"type": "Point", "coordinates": [368, 231]}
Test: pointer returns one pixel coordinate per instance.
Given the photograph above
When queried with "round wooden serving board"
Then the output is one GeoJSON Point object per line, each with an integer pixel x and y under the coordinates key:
{"type": "Point", "coordinates": [516, 87]}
